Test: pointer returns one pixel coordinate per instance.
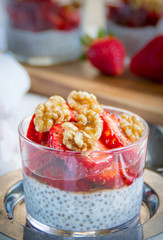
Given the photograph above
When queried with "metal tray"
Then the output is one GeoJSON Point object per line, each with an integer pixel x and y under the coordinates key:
{"type": "Point", "coordinates": [13, 212]}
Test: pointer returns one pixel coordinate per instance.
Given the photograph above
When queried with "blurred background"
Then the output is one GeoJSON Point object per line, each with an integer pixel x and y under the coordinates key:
{"type": "Point", "coordinates": [94, 17]}
{"type": "Point", "coordinates": [44, 51]}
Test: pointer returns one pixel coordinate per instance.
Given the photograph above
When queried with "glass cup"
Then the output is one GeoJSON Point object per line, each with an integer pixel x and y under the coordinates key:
{"type": "Point", "coordinates": [132, 23]}
{"type": "Point", "coordinates": [83, 193]}
{"type": "Point", "coordinates": [44, 32]}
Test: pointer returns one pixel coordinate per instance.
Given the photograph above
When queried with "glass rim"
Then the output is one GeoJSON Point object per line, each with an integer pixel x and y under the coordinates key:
{"type": "Point", "coordinates": [113, 150]}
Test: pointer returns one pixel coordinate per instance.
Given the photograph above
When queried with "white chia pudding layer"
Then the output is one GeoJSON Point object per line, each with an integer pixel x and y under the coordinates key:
{"type": "Point", "coordinates": [72, 211]}
{"type": "Point", "coordinates": [63, 45]}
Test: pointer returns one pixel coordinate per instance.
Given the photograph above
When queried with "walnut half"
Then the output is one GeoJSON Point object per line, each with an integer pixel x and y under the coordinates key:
{"type": "Point", "coordinates": [77, 140]}
{"type": "Point", "coordinates": [132, 127]}
{"type": "Point", "coordinates": [91, 123]}
{"type": "Point", "coordinates": [53, 111]}
{"type": "Point", "coordinates": [83, 101]}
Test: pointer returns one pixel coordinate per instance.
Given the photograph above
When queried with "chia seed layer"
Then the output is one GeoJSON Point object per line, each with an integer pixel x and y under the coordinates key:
{"type": "Point", "coordinates": [135, 38]}
{"type": "Point", "coordinates": [62, 45]}
{"type": "Point", "coordinates": [71, 211]}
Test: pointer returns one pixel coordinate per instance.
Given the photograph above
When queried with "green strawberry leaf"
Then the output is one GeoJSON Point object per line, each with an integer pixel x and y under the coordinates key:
{"type": "Point", "coordinates": [101, 33]}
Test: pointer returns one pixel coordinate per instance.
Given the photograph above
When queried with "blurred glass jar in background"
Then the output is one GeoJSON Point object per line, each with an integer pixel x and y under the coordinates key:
{"type": "Point", "coordinates": [135, 22]}
{"type": "Point", "coordinates": [43, 32]}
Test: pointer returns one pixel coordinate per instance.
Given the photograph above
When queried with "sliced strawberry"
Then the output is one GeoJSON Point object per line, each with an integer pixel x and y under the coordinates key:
{"type": "Point", "coordinates": [73, 115]}
{"type": "Point", "coordinates": [112, 135]}
{"type": "Point", "coordinates": [82, 166]}
{"type": "Point", "coordinates": [124, 173]}
{"type": "Point", "coordinates": [56, 141]}
{"type": "Point", "coordinates": [56, 137]}
{"type": "Point", "coordinates": [114, 118]}
{"type": "Point", "coordinates": [100, 146]}
{"type": "Point", "coordinates": [85, 164]}
{"type": "Point", "coordinates": [67, 183]}
{"type": "Point", "coordinates": [57, 170]}
{"type": "Point", "coordinates": [134, 161]}
{"type": "Point", "coordinates": [120, 173]}
{"type": "Point", "coordinates": [27, 171]}
{"type": "Point", "coordinates": [97, 161]}
{"type": "Point", "coordinates": [38, 161]}
{"type": "Point", "coordinates": [79, 165]}
{"type": "Point", "coordinates": [37, 137]}
{"type": "Point", "coordinates": [108, 178]}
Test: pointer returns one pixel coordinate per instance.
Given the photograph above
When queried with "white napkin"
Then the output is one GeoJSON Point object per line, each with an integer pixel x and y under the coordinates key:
{"type": "Point", "coordinates": [9, 157]}
{"type": "Point", "coordinates": [14, 83]}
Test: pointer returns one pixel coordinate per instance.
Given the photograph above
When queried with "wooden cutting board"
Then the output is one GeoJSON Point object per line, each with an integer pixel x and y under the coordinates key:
{"type": "Point", "coordinates": [127, 91]}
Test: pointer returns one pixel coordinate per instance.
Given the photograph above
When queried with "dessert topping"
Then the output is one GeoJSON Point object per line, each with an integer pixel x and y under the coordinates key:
{"type": "Point", "coordinates": [53, 111]}
{"type": "Point", "coordinates": [55, 124]}
{"type": "Point", "coordinates": [91, 123]}
{"type": "Point", "coordinates": [77, 140]}
{"type": "Point", "coordinates": [35, 136]}
{"type": "Point", "coordinates": [112, 135]}
{"type": "Point", "coordinates": [132, 127]}
{"type": "Point", "coordinates": [83, 101]}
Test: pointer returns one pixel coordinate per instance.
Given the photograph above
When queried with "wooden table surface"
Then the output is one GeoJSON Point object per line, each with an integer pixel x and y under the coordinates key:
{"type": "Point", "coordinates": [127, 91]}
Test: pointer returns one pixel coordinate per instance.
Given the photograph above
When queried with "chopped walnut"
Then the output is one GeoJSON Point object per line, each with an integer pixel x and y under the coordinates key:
{"type": "Point", "coordinates": [132, 127]}
{"type": "Point", "coordinates": [83, 101]}
{"type": "Point", "coordinates": [53, 111]}
{"type": "Point", "coordinates": [77, 140]}
{"type": "Point", "coordinates": [91, 123]}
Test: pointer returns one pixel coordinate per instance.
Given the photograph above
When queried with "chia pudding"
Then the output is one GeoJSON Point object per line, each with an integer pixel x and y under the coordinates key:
{"type": "Point", "coordinates": [82, 211]}
{"type": "Point", "coordinates": [44, 31]}
{"type": "Point", "coordinates": [83, 171]}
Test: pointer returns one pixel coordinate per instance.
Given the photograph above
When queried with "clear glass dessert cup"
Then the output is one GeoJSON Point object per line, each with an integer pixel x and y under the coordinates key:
{"type": "Point", "coordinates": [134, 27]}
{"type": "Point", "coordinates": [83, 193]}
{"type": "Point", "coordinates": [44, 32]}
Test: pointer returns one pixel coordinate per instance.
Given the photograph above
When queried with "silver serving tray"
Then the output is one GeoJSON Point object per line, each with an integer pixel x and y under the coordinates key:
{"type": "Point", "coordinates": [13, 212]}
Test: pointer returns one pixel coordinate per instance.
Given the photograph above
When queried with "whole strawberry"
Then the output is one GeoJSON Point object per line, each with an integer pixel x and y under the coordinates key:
{"type": "Point", "coordinates": [107, 54]}
{"type": "Point", "coordinates": [148, 62]}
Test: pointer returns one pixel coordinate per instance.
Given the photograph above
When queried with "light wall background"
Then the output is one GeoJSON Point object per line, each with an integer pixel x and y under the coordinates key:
{"type": "Point", "coordinates": [94, 13]}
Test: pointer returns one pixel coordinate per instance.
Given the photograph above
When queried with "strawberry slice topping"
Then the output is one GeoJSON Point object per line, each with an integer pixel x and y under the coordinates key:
{"type": "Point", "coordinates": [58, 178]}
{"type": "Point", "coordinates": [56, 137]}
{"type": "Point", "coordinates": [128, 179]}
{"type": "Point", "coordinates": [73, 115]}
{"type": "Point", "coordinates": [38, 160]}
{"type": "Point", "coordinates": [133, 162]}
{"type": "Point", "coordinates": [109, 178]}
{"type": "Point", "coordinates": [79, 165]}
{"type": "Point", "coordinates": [112, 136]}
{"type": "Point", "coordinates": [37, 137]}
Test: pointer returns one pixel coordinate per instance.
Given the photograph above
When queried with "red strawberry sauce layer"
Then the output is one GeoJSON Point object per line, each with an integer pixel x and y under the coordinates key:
{"type": "Point", "coordinates": [40, 15]}
{"type": "Point", "coordinates": [124, 15]}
